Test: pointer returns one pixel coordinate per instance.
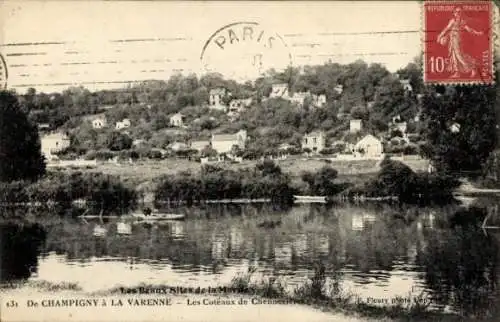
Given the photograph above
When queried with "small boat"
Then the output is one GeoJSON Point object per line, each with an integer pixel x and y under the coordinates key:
{"type": "Point", "coordinates": [309, 199]}
{"type": "Point", "coordinates": [157, 216]}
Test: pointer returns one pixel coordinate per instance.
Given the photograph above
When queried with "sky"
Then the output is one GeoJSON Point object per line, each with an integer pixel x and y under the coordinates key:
{"type": "Point", "coordinates": [108, 44]}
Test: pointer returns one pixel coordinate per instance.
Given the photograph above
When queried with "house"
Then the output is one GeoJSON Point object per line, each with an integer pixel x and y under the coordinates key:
{"type": "Point", "coordinates": [369, 147]}
{"type": "Point", "coordinates": [319, 100]}
{"type": "Point", "coordinates": [315, 141]}
{"type": "Point", "coordinates": [177, 120]}
{"type": "Point", "coordinates": [53, 143]}
{"type": "Point", "coordinates": [216, 98]}
{"type": "Point", "coordinates": [123, 124]}
{"type": "Point", "coordinates": [200, 145]}
{"type": "Point", "coordinates": [279, 90]}
{"type": "Point", "coordinates": [99, 123]}
{"type": "Point", "coordinates": [299, 98]}
{"type": "Point", "coordinates": [223, 143]}
{"type": "Point", "coordinates": [355, 125]}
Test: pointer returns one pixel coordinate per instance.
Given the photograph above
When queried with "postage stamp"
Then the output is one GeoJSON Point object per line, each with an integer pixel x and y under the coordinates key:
{"type": "Point", "coordinates": [458, 42]}
{"type": "Point", "coordinates": [251, 48]}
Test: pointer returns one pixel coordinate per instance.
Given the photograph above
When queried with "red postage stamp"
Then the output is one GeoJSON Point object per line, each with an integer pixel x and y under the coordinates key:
{"type": "Point", "coordinates": [458, 42]}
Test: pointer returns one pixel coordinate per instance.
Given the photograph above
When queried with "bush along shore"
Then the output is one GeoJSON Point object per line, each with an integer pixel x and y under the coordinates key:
{"type": "Point", "coordinates": [397, 181]}
{"type": "Point", "coordinates": [394, 181]}
{"type": "Point", "coordinates": [95, 191]}
{"type": "Point", "coordinates": [265, 182]}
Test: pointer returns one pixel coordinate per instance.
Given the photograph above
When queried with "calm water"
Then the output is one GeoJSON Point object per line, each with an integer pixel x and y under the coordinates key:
{"type": "Point", "coordinates": [373, 251]}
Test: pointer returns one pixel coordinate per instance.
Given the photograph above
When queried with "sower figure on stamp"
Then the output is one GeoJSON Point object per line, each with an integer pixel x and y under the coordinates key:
{"type": "Point", "coordinates": [459, 62]}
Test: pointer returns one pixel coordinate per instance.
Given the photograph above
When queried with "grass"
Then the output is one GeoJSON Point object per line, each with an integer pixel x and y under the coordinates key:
{"type": "Point", "coordinates": [44, 286]}
{"type": "Point", "coordinates": [269, 287]}
{"type": "Point", "coordinates": [329, 296]}
{"type": "Point", "coordinates": [144, 171]}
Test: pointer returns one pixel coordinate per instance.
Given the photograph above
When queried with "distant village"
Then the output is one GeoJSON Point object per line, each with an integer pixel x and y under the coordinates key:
{"type": "Point", "coordinates": [355, 146]}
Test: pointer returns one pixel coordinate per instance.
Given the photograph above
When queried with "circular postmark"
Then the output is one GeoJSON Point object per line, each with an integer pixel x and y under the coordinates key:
{"type": "Point", "coordinates": [244, 51]}
{"type": "Point", "coordinates": [4, 74]}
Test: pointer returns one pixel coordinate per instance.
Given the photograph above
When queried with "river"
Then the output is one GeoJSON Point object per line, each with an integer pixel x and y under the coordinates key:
{"type": "Point", "coordinates": [374, 251]}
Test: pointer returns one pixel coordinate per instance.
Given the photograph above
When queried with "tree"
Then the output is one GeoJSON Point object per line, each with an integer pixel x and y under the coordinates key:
{"type": "Point", "coordinates": [20, 148]}
{"type": "Point", "coordinates": [395, 179]}
{"type": "Point", "coordinates": [119, 141]}
{"type": "Point", "coordinates": [322, 182]}
{"type": "Point", "coordinates": [473, 109]}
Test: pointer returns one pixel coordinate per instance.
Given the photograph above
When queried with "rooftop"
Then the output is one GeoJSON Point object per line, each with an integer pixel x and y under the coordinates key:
{"type": "Point", "coordinates": [224, 137]}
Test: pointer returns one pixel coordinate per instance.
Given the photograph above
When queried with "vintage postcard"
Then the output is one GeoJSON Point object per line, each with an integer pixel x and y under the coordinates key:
{"type": "Point", "coordinates": [249, 161]}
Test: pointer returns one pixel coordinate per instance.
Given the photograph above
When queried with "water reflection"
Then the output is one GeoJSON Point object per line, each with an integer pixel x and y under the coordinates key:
{"type": "Point", "coordinates": [19, 250]}
{"type": "Point", "coordinates": [461, 264]}
{"type": "Point", "coordinates": [378, 250]}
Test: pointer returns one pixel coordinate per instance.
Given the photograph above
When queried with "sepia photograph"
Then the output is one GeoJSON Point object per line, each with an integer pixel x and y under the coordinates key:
{"type": "Point", "coordinates": [249, 160]}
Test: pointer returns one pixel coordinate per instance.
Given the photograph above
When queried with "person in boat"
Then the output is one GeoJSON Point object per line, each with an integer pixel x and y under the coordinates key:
{"type": "Point", "coordinates": [147, 211]}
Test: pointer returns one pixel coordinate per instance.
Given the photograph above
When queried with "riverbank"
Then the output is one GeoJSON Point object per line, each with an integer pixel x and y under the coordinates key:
{"type": "Point", "coordinates": [265, 180]}
{"type": "Point", "coordinates": [66, 302]}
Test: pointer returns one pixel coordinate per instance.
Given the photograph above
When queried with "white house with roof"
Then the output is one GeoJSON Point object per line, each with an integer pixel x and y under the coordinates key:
{"type": "Point", "coordinates": [319, 100]}
{"type": "Point", "coordinates": [223, 143]}
{"type": "Point", "coordinates": [279, 90]}
{"type": "Point", "coordinates": [216, 98]}
{"type": "Point", "coordinates": [355, 125]}
{"type": "Point", "coordinates": [99, 122]}
{"type": "Point", "coordinates": [123, 124]}
{"type": "Point", "coordinates": [53, 143]}
{"type": "Point", "coordinates": [299, 97]}
{"type": "Point", "coordinates": [315, 141]}
{"type": "Point", "coordinates": [369, 147]}
{"type": "Point", "coordinates": [177, 120]}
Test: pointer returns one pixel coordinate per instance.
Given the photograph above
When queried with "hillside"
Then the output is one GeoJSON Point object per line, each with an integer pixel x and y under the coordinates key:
{"type": "Point", "coordinates": [353, 91]}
